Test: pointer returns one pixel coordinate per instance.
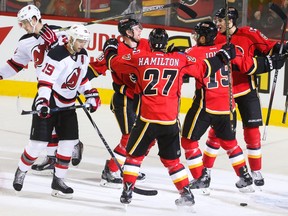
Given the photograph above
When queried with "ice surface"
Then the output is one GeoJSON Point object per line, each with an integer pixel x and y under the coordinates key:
{"type": "Point", "coordinates": [92, 199]}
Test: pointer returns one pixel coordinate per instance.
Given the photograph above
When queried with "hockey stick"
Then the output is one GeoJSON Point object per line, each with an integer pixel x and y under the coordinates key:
{"type": "Point", "coordinates": [229, 71]}
{"type": "Point", "coordinates": [282, 15]}
{"type": "Point", "coordinates": [285, 110]}
{"type": "Point", "coordinates": [53, 110]}
{"type": "Point", "coordinates": [182, 7]}
{"type": "Point", "coordinates": [136, 190]}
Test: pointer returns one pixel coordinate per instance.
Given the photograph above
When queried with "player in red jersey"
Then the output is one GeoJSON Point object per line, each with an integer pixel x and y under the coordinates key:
{"type": "Point", "coordinates": [211, 107]}
{"type": "Point", "coordinates": [123, 98]}
{"type": "Point", "coordinates": [159, 78]}
{"type": "Point", "coordinates": [252, 42]}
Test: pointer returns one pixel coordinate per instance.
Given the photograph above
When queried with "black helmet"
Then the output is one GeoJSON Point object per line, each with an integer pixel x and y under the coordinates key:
{"type": "Point", "coordinates": [232, 14]}
{"type": "Point", "coordinates": [207, 29]}
{"type": "Point", "coordinates": [127, 24]}
{"type": "Point", "coordinates": [158, 39]}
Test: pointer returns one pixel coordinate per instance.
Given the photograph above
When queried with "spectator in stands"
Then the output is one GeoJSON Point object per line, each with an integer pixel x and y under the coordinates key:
{"type": "Point", "coordinates": [16, 5]}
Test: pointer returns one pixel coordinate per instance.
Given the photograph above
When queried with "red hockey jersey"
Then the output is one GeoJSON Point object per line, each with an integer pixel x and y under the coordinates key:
{"type": "Point", "coordinates": [160, 77]}
{"type": "Point", "coordinates": [252, 42]}
{"type": "Point", "coordinates": [212, 93]}
{"type": "Point", "coordinates": [121, 79]}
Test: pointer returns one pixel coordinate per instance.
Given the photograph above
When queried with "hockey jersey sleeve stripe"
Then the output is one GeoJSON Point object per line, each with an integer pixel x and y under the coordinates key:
{"type": "Point", "coordinates": [260, 66]}
{"type": "Point", "coordinates": [44, 84]}
{"type": "Point", "coordinates": [16, 66]}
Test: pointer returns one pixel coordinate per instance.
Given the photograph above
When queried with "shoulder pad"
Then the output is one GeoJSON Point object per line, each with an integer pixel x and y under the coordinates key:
{"type": "Point", "coordinates": [58, 53]}
{"type": "Point", "coordinates": [27, 36]}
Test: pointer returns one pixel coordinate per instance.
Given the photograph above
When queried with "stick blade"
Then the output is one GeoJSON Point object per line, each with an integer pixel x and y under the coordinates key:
{"type": "Point", "coordinates": [274, 7]}
{"type": "Point", "coordinates": [145, 192]}
{"type": "Point", "coordinates": [187, 10]}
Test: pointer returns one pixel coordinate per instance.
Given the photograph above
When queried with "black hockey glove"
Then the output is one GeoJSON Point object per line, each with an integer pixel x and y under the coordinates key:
{"type": "Point", "coordinates": [226, 53]}
{"type": "Point", "coordinates": [110, 48]}
{"type": "Point", "coordinates": [277, 46]}
{"type": "Point", "coordinates": [48, 36]}
{"type": "Point", "coordinates": [42, 106]}
{"type": "Point", "coordinates": [173, 48]}
{"type": "Point", "coordinates": [275, 61]}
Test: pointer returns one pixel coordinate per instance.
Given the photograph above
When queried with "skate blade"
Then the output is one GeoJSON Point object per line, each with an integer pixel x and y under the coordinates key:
{"type": "Point", "coordinates": [125, 205]}
{"type": "Point", "coordinates": [43, 172]}
{"type": "Point", "coordinates": [186, 209]}
{"type": "Point", "coordinates": [104, 183]}
{"type": "Point", "coordinates": [247, 189]}
{"type": "Point", "coordinates": [141, 180]}
{"type": "Point", "coordinates": [206, 191]}
{"type": "Point", "coordinates": [258, 187]}
{"type": "Point", "coordinates": [59, 194]}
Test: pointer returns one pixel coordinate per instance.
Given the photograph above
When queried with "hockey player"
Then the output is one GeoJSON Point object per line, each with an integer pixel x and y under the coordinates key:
{"type": "Point", "coordinates": [159, 78]}
{"type": "Point", "coordinates": [211, 107]}
{"type": "Point", "coordinates": [123, 98]}
{"type": "Point", "coordinates": [34, 46]}
{"type": "Point", "coordinates": [63, 75]}
{"type": "Point", "coordinates": [252, 42]}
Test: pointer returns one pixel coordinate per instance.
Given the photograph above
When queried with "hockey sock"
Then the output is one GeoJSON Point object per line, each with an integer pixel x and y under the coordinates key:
{"type": "Point", "coordinates": [253, 141]}
{"type": "Point", "coordinates": [193, 156]}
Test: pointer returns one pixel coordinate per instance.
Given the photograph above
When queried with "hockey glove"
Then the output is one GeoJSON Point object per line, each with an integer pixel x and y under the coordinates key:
{"type": "Point", "coordinates": [42, 106]}
{"type": "Point", "coordinates": [277, 47]}
{"type": "Point", "coordinates": [92, 99]}
{"type": "Point", "coordinates": [275, 61]}
{"type": "Point", "coordinates": [48, 36]}
{"type": "Point", "coordinates": [110, 48]}
{"type": "Point", "coordinates": [173, 48]}
{"type": "Point", "coordinates": [226, 53]}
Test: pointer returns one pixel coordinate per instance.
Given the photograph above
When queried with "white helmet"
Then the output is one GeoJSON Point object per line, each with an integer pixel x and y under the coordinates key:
{"type": "Point", "coordinates": [79, 32]}
{"type": "Point", "coordinates": [28, 12]}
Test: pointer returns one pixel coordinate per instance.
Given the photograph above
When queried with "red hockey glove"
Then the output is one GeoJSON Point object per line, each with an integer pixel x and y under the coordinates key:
{"type": "Point", "coordinates": [42, 106]}
{"type": "Point", "coordinates": [226, 53]}
{"type": "Point", "coordinates": [48, 36]}
{"type": "Point", "coordinates": [92, 99]}
{"type": "Point", "coordinates": [110, 48]}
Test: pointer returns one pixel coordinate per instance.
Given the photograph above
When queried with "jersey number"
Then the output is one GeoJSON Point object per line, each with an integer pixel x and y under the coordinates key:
{"type": "Point", "coordinates": [153, 75]}
{"type": "Point", "coordinates": [48, 69]}
{"type": "Point", "coordinates": [213, 82]}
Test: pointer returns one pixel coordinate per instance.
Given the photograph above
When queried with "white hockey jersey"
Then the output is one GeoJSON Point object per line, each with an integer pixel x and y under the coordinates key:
{"type": "Point", "coordinates": [63, 75]}
{"type": "Point", "coordinates": [31, 47]}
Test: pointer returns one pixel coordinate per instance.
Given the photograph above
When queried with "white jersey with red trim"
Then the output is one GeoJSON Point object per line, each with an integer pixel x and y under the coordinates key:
{"type": "Point", "coordinates": [64, 75]}
{"type": "Point", "coordinates": [30, 48]}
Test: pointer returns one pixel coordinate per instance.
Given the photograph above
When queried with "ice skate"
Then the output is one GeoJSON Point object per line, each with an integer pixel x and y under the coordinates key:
{"type": "Point", "coordinates": [19, 179]}
{"type": "Point", "coordinates": [202, 182]}
{"type": "Point", "coordinates": [186, 200]}
{"type": "Point", "coordinates": [46, 167]}
{"type": "Point", "coordinates": [60, 189]}
{"type": "Point", "coordinates": [126, 195]}
{"type": "Point", "coordinates": [77, 153]}
{"type": "Point", "coordinates": [245, 181]}
{"type": "Point", "coordinates": [257, 178]}
{"type": "Point", "coordinates": [110, 179]}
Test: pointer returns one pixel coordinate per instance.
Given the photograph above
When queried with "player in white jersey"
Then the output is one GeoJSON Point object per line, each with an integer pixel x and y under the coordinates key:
{"type": "Point", "coordinates": [33, 47]}
{"type": "Point", "coordinates": [61, 78]}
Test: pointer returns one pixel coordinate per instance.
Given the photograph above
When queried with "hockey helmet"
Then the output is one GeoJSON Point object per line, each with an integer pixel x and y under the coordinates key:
{"type": "Point", "coordinates": [79, 32]}
{"type": "Point", "coordinates": [127, 24]}
{"type": "Point", "coordinates": [232, 14]}
{"type": "Point", "coordinates": [207, 29]}
{"type": "Point", "coordinates": [28, 12]}
{"type": "Point", "coordinates": [158, 39]}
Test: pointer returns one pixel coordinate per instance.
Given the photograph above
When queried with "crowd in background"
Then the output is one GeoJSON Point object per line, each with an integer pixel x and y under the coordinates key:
{"type": "Point", "coordinates": [256, 12]}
